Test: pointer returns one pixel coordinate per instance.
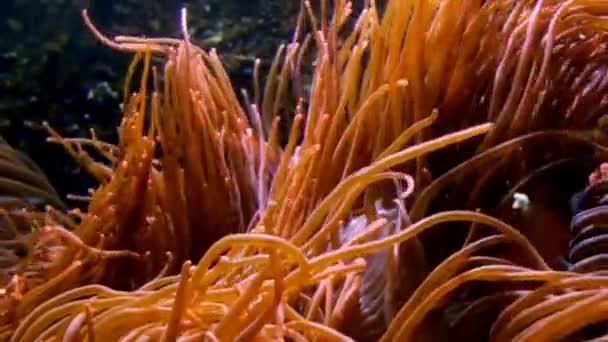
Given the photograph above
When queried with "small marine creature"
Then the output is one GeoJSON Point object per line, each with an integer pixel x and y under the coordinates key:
{"type": "Point", "coordinates": [521, 202]}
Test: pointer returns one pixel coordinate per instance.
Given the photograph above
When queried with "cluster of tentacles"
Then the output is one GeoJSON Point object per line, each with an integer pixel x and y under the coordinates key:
{"type": "Point", "coordinates": [387, 215]}
{"type": "Point", "coordinates": [25, 191]}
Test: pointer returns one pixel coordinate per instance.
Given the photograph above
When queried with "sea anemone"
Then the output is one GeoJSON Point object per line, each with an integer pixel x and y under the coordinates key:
{"type": "Point", "coordinates": [386, 213]}
{"type": "Point", "coordinates": [25, 190]}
